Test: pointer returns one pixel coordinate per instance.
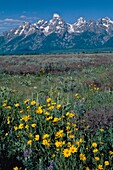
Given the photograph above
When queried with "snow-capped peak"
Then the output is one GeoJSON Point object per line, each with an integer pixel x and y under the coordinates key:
{"type": "Point", "coordinates": [55, 15]}
{"type": "Point", "coordinates": [106, 22]}
{"type": "Point", "coordinates": [81, 21]}
{"type": "Point", "coordinates": [40, 21]}
{"type": "Point", "coordinates": [23, 28]}
{"type": "Point", "coordinates": [70, 28]}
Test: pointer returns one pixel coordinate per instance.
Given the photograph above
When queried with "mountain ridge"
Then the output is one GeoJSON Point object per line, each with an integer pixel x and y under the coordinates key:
{"type": "Point", "coordinates": [55, 35]}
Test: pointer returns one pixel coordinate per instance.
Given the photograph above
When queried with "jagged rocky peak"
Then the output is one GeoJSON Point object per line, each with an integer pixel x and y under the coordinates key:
{"type": "Point", "coordinates": [80, 21]}
{"type": "Point", "coordinates": [56, 33]}
{"type": "Point", "coordinates": [40, 24]}
{"type": "Point", "coordinates": [80, 26]}
{"type": "Point", "coordinates": [91, 22]}
{"type": "Point", "coordinates": [56, 24]}
{"type": "Point", "coordinates": [23, 28]}
{"type": "Point", "coordinates": [104, 21]}
{"type": "Point", "coordinates": [56, 19]}
{"type": "Point", "coordinates": [105, 24]}
{"type": "Point", "coordinates": [25, 24]}
{"type": "Point", "coordinates": [55, 15]}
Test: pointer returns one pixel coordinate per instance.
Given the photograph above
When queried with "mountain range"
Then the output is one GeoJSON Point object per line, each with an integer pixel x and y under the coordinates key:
{"type": "Point", "coordinates": [56, 35]}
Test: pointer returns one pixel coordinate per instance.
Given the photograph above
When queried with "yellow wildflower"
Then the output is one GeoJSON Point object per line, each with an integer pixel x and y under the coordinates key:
{"type": "Point", "coordinates": [39, 110]}
{"type": "Point", "coordinates": [100, 167]}
{"type": "Point", "coordinates": [87, 148]}
{"type": "Point", "coordinates": [37, 137]}
{"type": "Point", "coordinates": [46, 142]}
{"type": "Point", "coordinates": [102, 130]}
{"type": "Point", "coordinates": [21, 111]}
{"type": "Point", "coordinates": [82, 157]}
{"type": "Point", "coordinates": [81, 140]}
{"type": "Point", "coordinates": [46, 113]}
{"type": "Point", "coordinates": [16, 168]}
{"type": "Point", "coordinates": [45, 136]}
{"type": "Point", "coordinates": [26, 118]}
{"type": "Point", "coordinates": [97, 158]}
{"type": "Point", "coordinates": [29, 142]}
{"type": "Point", "coordinates": [94, 144]}
{"type": "Point", "coordinates": [8, 107]}
{"type": "Point", "coordinates": [48, 104]}
{"type": "Point", "coordinates": [77, 95]}
{"type": "Point", "coordinates": [8, 120]}
{"type": "Point", "coordinates": [20, 126]}
{"type": "Point", "coordinates": [95, 150]}
{"type": "Point", "coordinates": [6, 134]}
{"type": "Point", "coordinates": [30, 135]}
{"type": "Point", "coordinates": [74, 125]}
{"type": "Point", "coordinates": [58, 106]}
{"type": "Point", "coordinates": [77, 143]}
{"type": "Point", "coordinates": [15, 128]}
{"type": "Point", "coordinates": [28, 107]}
{"type": "Point", "coordinates": [51, 108]}
{"type": "Point", "coordinates": [59, 134]}
{"type": "Point", "coordinates": [87, 126]}
{"type": "Point", "coordinates": [49, 118]}
{"type": "Point", "coordinates": [53, 155]}
{"type": "Point", "coordinates": [48, 100]}
{"type": "Point", "coordinates": [87, 168]}
{"type": "Point", "coordinates": [67, 127]}
{"type": "Point", "coordinates": [5, 101]}
{"type": "Point", "coordinates": [17, 105]}
{"type": "Point", "coordinates": [33, 125]}
{"type": "Point", "coordinates": [66, 152]}
{"type": "Point", "coordinates": [33, 102]}
{"type": "Point", "coordinates": [4, 105]}
{"type": "Point", "coordinates": [27, 126]}
{"type": "Point", "coordinates": [106, 163]}
{"type": "Point", "coordinates": [73, 149]}
{"type": "Point", "coordinates": [59, 143]}
{"type": "Point", "coordinates": [71, 136]}
{"type": "Point", "coordinates": [26, 101]}
{"type": "Point", "coordinates": [69, 144]}
{"type": "Point", "coordinates": [111, 152]}
{"type": "Point", "coordinates": [56, 119]}
{"type": "Point", "coordinates": [69, 114]}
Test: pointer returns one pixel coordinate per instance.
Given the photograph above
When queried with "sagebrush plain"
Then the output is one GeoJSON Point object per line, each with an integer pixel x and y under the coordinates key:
{"type": "Point", "coordinates": [56, 112]}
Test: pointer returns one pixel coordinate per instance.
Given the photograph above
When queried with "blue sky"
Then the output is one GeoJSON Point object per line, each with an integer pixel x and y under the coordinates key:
{"type": "Point", "coordinates": [14, 12]}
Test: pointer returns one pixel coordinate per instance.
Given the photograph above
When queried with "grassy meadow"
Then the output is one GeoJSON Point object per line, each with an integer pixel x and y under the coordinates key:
{"type": "Point", "coordinates": [56, 112]}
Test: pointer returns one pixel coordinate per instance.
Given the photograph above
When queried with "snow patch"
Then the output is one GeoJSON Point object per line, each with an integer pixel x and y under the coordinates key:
{"type": "Point", "coordinates": [71, 28]}
{"type": "Point", "coordinates": [58, 27]}
{"type": "Point", "coordinates": [16, 32]}
{"type": "Point", "coordinates": [46, 29]}
{"type": "Point", "coordinates": [56, 15]}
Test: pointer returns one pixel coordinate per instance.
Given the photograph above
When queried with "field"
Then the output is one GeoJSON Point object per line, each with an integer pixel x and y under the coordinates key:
{"type": "Point", "coordinates": [56, 112]}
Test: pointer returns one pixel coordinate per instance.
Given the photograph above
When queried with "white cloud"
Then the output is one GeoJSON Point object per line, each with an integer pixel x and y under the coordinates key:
{"type": "Point", "coordinates": [23, 16]}
{"type": "Point", "coordinates": [9, 23]}
{"type": "Point", "coordinates": [10, 20]}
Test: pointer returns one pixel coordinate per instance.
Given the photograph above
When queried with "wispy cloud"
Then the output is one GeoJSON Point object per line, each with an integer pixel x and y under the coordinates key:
{"type": "Point", "coordinates": [10, 20]}
{"type": "Point", "coordinates": [23, 16]}
{"type": "Point", "coordinates": [9, 23]}
{"type": "Point", "coordinates": [29, 18]}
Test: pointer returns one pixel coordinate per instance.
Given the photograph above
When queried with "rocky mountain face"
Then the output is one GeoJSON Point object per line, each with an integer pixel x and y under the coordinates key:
{"type": "Point", "coordinates": [56, 35]}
